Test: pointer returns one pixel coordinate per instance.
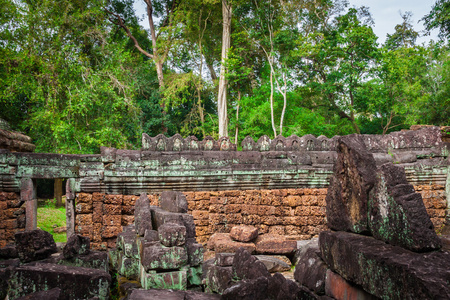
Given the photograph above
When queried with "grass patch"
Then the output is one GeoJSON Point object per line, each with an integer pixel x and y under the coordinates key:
{"type": "Point", "coordinates": [50, 217]}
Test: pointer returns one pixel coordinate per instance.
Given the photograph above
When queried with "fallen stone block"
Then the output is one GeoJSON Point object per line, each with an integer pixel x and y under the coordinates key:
{"type": "Point", "coordinates": [353, 178]}
{"type": "Point", "coordinates": [224, 259]}
{"type": "Point", "coordinates": [397, 214]}
{"type": "Point", "coordinates": [311, 271]}
{"type": "Point", "coordinates": [194, 275]}
{"type": "Point", "coordinates": [53, 294]}
{"type": "Point", "coordinates": [282, 288]}
{"type": "Point", "coordinates": [274, 244]}
{"type": "Point", "coordinates": [75, 282]}
{"type": "Point", "coordinates": [173, 202]}
{"type": "Point", "coordinates": [128, 267]}
{"type": "Point", "coordinates": [142, 215]}
{"type": "Point", "coordinates": [156, 294]}
{"type": "Point", "coordinates": [273, 264]}
{"type": "Point", "coordinates": [161, 217]}
{"type": "Point", "coordinates": [126, 242]}
{"type": "Point", "coordinates": [247, 290]}
{"type": "Point", "coordinates": [94, 259]}
{"type": "Point", "coordinates": [339, 288]}
{"type": "Point", "coordinates": [194, 252]}
{"type": "Point", "coordinates": [8, 252]}
{"type": "Point", "coordinates": [192, 295]}
{"type": "Point", "coordinates": [244, 233]}
{"type": "Point", "coordinates": [172, 234]}
{"type": "Point", "coordinates": [302, 246]}
{"type": "Point", "coordinates": [76, 245]}
{"type": "Point", "coordinates": [222, 243]}
{"type": "Point", "coordinates": [246, 266]}
{"type": "Point", "coordinates": [386, 271]}
{"type": "Point", "coordinates": [33, 245]}
{"type": "Point", "coordinates": [158, 257]}
{"type": "Point", "coordinates": [217, 278]}
{"type": "Point", "coordinates": [175, 280]}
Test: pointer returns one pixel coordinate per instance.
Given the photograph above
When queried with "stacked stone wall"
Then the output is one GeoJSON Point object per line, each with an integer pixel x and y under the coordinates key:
{"type": "Point", "coordinates": [12, 217]}
{"type": "Point", "coordinates": [296, 213]}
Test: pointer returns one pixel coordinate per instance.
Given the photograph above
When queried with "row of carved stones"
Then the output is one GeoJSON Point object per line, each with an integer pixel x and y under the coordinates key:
{"type": "Point", "coordinates": [425, 138]}
{"type": "Point", "coordinates": [264, 143]}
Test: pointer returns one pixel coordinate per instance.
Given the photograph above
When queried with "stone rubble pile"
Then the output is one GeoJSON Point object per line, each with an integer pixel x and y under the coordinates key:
{"type": "Point", "coordinates": [159, 250]}
{"type": "Point", "coordinates": [382, 243]}
{"type": "Point", "coordinates": [31, 268]}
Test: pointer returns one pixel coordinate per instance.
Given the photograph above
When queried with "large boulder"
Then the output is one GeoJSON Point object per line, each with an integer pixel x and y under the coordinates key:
{"type": "Point", "coordinates": [353, 178]}
{"type": "Point", "coordinates": [386, 271]}
{"type": "Point", "coordinates": [397, 214]}
{"type": "Point", "coordinates": [34, 245]}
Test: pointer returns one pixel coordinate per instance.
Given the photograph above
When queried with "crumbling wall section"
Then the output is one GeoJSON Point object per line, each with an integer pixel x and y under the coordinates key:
{"type": "Point", "coordinates": [296, 213]}
{"type": "Point", "coordinates": [12, 217]}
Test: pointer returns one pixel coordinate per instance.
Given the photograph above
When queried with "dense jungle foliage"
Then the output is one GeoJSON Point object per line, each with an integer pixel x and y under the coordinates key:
{"type": "Point", "coordinates": [76, 74]}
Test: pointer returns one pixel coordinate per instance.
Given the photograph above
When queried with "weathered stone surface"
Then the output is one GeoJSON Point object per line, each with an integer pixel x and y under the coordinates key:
{"type": "Point", "coordinates": [173, 201]}
{"type": "Point", "coordinates": [247, 290]}
{"type": "Point", "coordinates": [274, 244]}
{"type": "Point", "coordinates": [142, 215]}
{"type": "Point", "coordinates": [244, 233]}
{"type": "Point", "coordinates": [384, 270]}
{"type": "Point", "coordinates": [9, 251]}
{"type": "Point", "coordinates": [76, 245]}
{"type": "Point", "coordinates": [158, 257]}
{"type": "Point", "coordinates": [282, 288]}
{"type": "Point", "coordinates": [397, 214]}
{"type": "Point", "coordinates": [304, 245]}
{"type": "Point", "coordinates": [217, 278]}
{"type": "Point", "coordinates": [126, 242]}
{"type": "Point", "coordinates": [338, 288]}
{"type": "Point", "coordinates": [310, 270]}
{"type": "Point", "coordinates": [34, 245]}
{"type": "Point", "coordinates": [273, 264]}
{"type": "Point", "coordinates": [224, 259]}
{"type": "Point", "coordinates": [161, 217]}
{"type": "Point", "coordinates": [246, 266]}
{"type": "Point", "coordinates": [194, 252]}
{"type": "Point", "coordinates": [155, 294]}
{"type": "Point", "coordinates": [222, 242]}
{"type": "Point", "coordinates": [128, 267]}
{"type": "Point", "coordinates": [175, 280]}
{"type": "Point", "coordinates": [77, 283]}
{"type": "Point", "coordinates": [53, 294]}
{"type": "Point", "coordinates": [172, 234]}
{"type": "Point", "coordinates": [353, 177]}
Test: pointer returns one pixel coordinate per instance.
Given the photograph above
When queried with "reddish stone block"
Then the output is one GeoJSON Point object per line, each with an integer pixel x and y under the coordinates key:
{"type": "Point", "coordinates": [222, 243]}
{"type": "Point", "coordinates": [98, 197]}
{"type": "Point", "coordinates": [302, 211]}
{"type": "Point", "coordinates": [202, 240]}
{"type": "Point", "coordinates": [130, 200]}
{"type": "Point", "coordinates": [83, 219]}
{"type": "Point", "coordinates": [202, 230]}
{"type": "Point", "coordinates": [97, 233]}
{"type": "Point", "coordinates": [244, 233]}
{"type": "Point", "coordinates": [189, 196]}
{"type": "Point", "coordinates": [271, 220]}
{"type": "Point", "coordinates": [97, 215]}
{"type": "Point", "coordinates": [217, 208]}
{"type": "Point", "coordinates": [111, 231]}
{"type": "Point", "coordinates": [3, 206]}
{"type": "Point", "coordinates": [317, 211]}
{"type": "Point", "coordinates": [113, 199]}
{"type": "Point", "coordinates": [274, 244]}
{"type": "Point", "coordinates": [266, 210]}
{"type": "Point", "coordinates": [85, 230]}
{"type": "Point", "coordinates": [10, 224]}
{"type": "Point", "coordinates": [202, 195]}
{"type": "Point", "coordinates": [83, 208]}
{"type": "Point", "coordinates": [234, 219]}
{"type": "Point", "coordinates": [436, 213]}
{"type": "Point", "coordinates": [217, 218]}
{"type": "Point", "coordinates": [112, 209]}
{"type": "Point", "coordinates": [250, 209]}
{"type": "Point", "coordinates": [128, 210]}
{"type": "Point", "coordinates": [84, 198]}
{"type": "Point", "coordinates": [99, 246]}
{"type": "Point", "coordinates": [292, 201]}
{"type": "Point", "coordinates": [111, 243]}
{"type": "Point", "coordinates": [296, 220]}
{"type": "Point", "coordinates": [284, 211]}
{"type": "Point", "coordinates": [278, 230]}
{"type": "Point", "coordinates": [127, 220]}
{"type": "Point", "coordinates": [200, 215]}
{"type": "Point", "coordinates": [113, 220]}
{"type": "Point", "coordinates": [262, 228]}
{"type": "Point", "coordinates": [233, 208]}
{"type": "Point", "coordinates": [338, 288]}
{"type": "Point", "coordinates": [232, 193]}
{"type": "Point", "coordinates": [201, 222]}
{"type": "Point", "coordinates": [251, 220]}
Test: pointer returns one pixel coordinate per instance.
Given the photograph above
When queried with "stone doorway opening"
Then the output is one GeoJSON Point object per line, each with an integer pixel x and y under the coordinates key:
{"type": "Point", "coordinates": [51, 211]}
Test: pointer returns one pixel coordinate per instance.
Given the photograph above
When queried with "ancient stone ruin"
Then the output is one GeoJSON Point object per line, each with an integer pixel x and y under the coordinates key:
{"type": "Point", "coordinates": [237, 220]}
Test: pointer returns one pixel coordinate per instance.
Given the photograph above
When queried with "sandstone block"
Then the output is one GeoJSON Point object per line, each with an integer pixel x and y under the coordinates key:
{"type": "Point", "coordinates": [222, 242]}
{"type": "Point", "coordinates": [246, 266]}
{"type": "Point", "coordinates": [353, 178]}
{"type": "Point", "coordinates": [194, 252]}
{"type": "Point", "coordinates": [338, 288]}
{"type": "Point", "coordinates": [224, 259]}
{"type": "Point", "coordinates": [34, 245]}
{"type": "Point", "coordinates": [111, 231]}
{"type": "Point", "coordinates": [310, 270]}
{"type": "Point", "coordinates": [379, 267]}
{"type": "Point", "coordinates": [112, 220]}
{"type": "Point", "coordinates": [128, 267]}
{"type": "Point", "coordinates": [143, 215]}
{"type": "Point", "coordinates": [247, 289]}
{"type": "Point", "coordinates": [158, 257]}
{"type": "Point", "coordinates": [161, 217]}
{"type": "Point", "coordinates": [274, 244]}
{"type": "Point", "coordinates": [77, 283]}
{"type": "Point", "coordinates": [244, 233]}
{"type": "Point", "coordinates": [113, 199]}
{"type": "Point", "coordinates": [76, 245]}
{"type": "Point", "coordinates": [274, 264]}
{"type": "Point", "coordinates": [176, 280]}
{"type": "Point", "coordinates": [126, 241]}
{"type": "Point", "coordinates": [218, 278]}
{"type": "Point", "coordinates": [173, 201]}
{"type": "Point", "coordinates": [172, 234]}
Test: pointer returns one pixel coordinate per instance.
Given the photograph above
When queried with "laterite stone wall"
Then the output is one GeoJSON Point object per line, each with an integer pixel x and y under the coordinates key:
{"type": "Point", "coordinates": [12, 217]}
{"type": "Point", "coordinates": [296, 213]}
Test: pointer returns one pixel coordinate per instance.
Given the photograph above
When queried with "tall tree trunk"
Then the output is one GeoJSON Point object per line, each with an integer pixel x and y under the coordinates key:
{"type": "Point", "coordinates": [222, 95]}
{"type": "Point", "coordinates": [272, 118]}
{"type": "Point", "coordinates": [237, 118]}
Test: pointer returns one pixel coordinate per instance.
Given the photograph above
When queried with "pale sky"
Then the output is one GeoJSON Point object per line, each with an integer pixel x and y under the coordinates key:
{"type": "Point", "coordinates": [386, 15]}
